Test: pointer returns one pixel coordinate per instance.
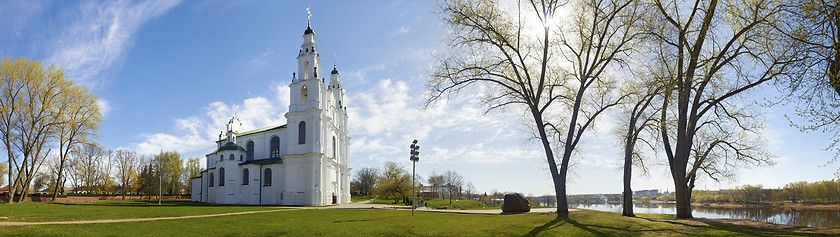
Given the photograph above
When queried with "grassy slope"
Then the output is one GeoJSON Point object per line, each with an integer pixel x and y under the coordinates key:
{"type": "Point", "coordinates": [441, 203]}
{"type": "Point", "coordinates": [360, 198]}
{"type": "Point", "coordinates": [397, 223]}
{"type": "Point", "coordinates": [57, 211]}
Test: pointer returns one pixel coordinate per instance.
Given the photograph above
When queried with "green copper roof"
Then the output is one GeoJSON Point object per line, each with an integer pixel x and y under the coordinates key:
{"type": "Point", "coordinates": [230, 146]}
{"type": "Point", "coordinates": [264, 161]}
{"type": "Point", "coordinates": [334, 71]}
{"type": "Point", "coordinates": [259, 130]}
{"type": "Point", "coordinates": [308, 31]}
{"type": "Point", "coordinates": [246, 133]}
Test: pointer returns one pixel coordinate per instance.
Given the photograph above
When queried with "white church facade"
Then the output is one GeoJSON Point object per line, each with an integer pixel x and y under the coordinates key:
{"type": "Point", "coordinates": [303, 162]}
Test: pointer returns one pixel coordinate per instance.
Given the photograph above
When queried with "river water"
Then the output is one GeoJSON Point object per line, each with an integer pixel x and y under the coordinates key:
{"type": "Point", "coordinates": [810, 218]}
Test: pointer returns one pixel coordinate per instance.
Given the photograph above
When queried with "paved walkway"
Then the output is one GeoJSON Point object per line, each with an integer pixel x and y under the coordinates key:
{"type": "Point", "coordinates": [2, 223]}
{"type": "Point", "coordinates": [358, 205]}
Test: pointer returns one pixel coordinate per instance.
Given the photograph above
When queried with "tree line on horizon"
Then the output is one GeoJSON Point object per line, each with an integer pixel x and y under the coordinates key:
{"type": "Point", "coordinates": [393, 182]}
{"type": "Point", "coordinates": [48, 130]}
{"type": "Point", "coordinates": [827, 191]}
{"type": "Point", "coordinates": [681, 76]}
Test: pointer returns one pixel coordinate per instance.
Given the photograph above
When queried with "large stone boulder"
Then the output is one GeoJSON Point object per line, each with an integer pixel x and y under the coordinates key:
{"type": "Point", "coordinates": [515, 202]}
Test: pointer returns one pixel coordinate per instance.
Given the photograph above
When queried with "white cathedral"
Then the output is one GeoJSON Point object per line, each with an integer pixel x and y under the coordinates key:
{"type": "Point", "coordinates": [303, 162]}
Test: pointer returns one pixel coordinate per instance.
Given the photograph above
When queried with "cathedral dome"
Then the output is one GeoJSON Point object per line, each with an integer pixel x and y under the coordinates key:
{"type": "Point", "coordinates": [230, 146]}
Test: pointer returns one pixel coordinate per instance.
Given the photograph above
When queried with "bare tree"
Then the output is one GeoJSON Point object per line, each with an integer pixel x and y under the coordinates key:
{"type": "Point", "coordinates": [713, 52]}
{"type": "Point", "coordinates": [41, 182]}
{"type": "Point", "coordinates": [549, 71]}
{"type": "Point", "coordinates": [89, 164]}
{"type": "Point", "coordinates": [127, 169]}
{"type": "Point", "coordinates": [640, 112]}
{"type": "Point", "coordinates": [602, 35]}
{"type": "Point", "coordinates": [13, 83]}
{"type": "Point", "coordinates": [35, 100]}
{"type": "Point", "coordinates": [453, 182]}
{"type": "Point", "coordinates": [437, 182]}
{"type": "Point", "coordinates": [35, 123]}
{"type": "Point", "coordinates": [364, 180]}
{"type": "Point", "coordinates": [77, 116]}
{"type": "Point", "coordinates": [469, 189]}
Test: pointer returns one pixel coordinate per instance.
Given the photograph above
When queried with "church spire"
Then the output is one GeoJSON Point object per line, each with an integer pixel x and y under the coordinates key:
{"type": "Point", "coordinates": [308, 23]}
{"type": "Point", "coordinates": [335, 69]}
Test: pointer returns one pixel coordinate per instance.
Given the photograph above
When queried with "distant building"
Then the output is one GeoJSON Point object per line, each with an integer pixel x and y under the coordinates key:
{"type": "Point", "coordinates": [303, 162]}
{"type": "Point", "coordinates": [644, 193]}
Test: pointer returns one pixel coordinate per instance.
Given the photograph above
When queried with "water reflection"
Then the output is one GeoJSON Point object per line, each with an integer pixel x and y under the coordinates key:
{"type": "Point", "coordinates": [810, 218]}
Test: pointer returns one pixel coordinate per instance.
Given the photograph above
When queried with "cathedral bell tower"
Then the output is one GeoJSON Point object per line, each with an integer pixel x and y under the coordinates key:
{"type": "Point", "coordinates": [306, 85]}
{"type": "Point", "coordinates": [308, 95]}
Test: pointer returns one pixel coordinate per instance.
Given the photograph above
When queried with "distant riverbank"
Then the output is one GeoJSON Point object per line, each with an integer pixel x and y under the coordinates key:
{"type": "Point", "coordinates": [794, 214]}
{"type": "Point", "coordinates": [785, 206]}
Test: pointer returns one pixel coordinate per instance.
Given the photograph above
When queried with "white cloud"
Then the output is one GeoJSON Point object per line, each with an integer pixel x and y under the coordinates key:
{"type": "Point", "coordinates": [479, 153]}
{"type": "Point", "coordinates": [403, 30]}
{"type": "Point", "coordinates": [361, 74]}
{"type": "Point", "coordinates": [104, 106]}
{"type": "Point", "coordinates": [263, 58]}
{"type": "Point", "coordinates": [387, 116]}
{"type": "Point", "coordinates": [98, 40]}
{"type": "Point", "coordinates": [197, 133]}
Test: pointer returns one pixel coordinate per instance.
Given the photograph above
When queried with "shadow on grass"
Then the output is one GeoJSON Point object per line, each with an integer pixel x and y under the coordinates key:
{"type": "Point", "coordinates": [342, 221]}
{"type": "Point", "coordinates": [557, 222]}
{"type": "Point", "coordinates": [736, 229]}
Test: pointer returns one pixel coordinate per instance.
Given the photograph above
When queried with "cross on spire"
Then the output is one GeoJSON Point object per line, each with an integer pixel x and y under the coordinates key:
{"type": "Point", "coordinates": [308, 17]}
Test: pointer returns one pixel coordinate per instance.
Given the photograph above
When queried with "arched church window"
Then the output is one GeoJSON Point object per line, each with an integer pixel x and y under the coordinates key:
{"type": "Point", "coordinates": [245, 176]}
{"type": "Point", "coordinates": [303, 95]}
{"type": "Point", "coordinates": [275, 147]}
{"type": "Point", "coordinates": [333, 147]}
{"type": "Point", "coordinates": [221, 157]}
{"type": "Point", "coordinates": [231, 156]}
{"type": "Point", "coordinates": [267, 177]}
{"type": "Point", "coordinates": [211, 180]}
{"type": "Point", "coordinates": [305, 70]}
{"type": "Point", "coordinates": [241, 157]}
{"type": "Point", "coordinates": [250, 147]}
{"type": "Point", "coordinates": [302, 132]}
{"type": "Point", "coordinates": [221, 176]}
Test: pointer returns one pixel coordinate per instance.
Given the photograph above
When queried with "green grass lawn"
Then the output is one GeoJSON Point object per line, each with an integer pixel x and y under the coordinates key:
{"type": "Point", "coordinates": [112, 209]}
{"type": "Point", "coordinates": [398, 223]}
{"type": "Point", "coordinates": [456, 204]}
{"type": "Point", "coordinates": [360, 198]}
{"type": "Point", "coordinates": [441, 203]}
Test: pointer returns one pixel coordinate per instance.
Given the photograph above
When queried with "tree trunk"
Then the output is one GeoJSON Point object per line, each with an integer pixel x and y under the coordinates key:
{"type": "Point", "coordinates": [627, 203]}
{"type": "Point", "coordinates": [559, 182]}
{"type": "Point", "coordinates": [58, 179]}
{"type": "Point", "coordinates": [11, 182]}
{"type": "Point", "coordinates": [567, 153]}
{"type": "Point", "coordinates": [682, 195]}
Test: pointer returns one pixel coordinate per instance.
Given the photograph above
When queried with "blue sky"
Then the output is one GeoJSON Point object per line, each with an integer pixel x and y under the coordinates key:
{"type": "Point", "coordinates": [169, 75]}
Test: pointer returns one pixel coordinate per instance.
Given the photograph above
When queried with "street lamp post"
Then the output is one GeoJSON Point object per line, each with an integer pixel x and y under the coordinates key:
{"type": "Point", "coordinates": [415, 156]}
{"type": "Point", "coordinates": [160, 181]}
